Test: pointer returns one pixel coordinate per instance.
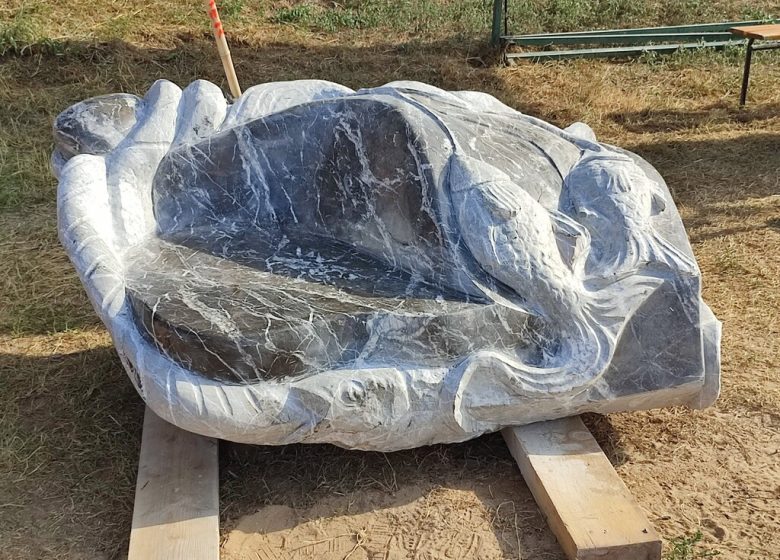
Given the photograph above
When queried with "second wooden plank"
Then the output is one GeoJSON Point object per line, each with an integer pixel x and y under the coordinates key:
{"type": "Point", "coordinates": [588, 507]}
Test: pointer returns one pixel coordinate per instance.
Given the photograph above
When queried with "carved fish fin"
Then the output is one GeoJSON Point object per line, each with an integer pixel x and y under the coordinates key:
{"type": "Point", "coordinates": [646, 248]}
{"type": "Point", "coordinates": [573, 241]}
{"type": "Point", "coordinates": [632, 291]}
{"type": "Point", "coordinates": [659, 199]}
{"type": "Point", "coordinates": [659, 250]}
{"type": "Point", "coordinates": [659, 203]}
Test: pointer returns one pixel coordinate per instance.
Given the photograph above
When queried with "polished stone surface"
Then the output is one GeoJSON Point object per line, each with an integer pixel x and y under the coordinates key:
{"type": "Point", "coordinates": [378, 269]}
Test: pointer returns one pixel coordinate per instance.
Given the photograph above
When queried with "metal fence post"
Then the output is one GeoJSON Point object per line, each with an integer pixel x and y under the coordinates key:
{"type": "Point", "coordinates": [498, 8]}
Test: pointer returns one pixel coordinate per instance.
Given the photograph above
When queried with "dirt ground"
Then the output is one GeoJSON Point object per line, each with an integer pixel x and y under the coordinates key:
{"type": "Point", "coordinates": [70, 421]}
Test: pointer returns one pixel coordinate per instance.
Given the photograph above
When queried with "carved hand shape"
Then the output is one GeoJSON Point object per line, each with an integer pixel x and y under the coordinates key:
{"type": "Point", "coordinates": [378, 269]}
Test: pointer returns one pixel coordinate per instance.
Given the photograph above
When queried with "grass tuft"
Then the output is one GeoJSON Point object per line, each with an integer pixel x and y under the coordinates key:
{"type": "Point", "coordinates": [407, 16]}
{"type": "Point", "coordinates": [573, 15]}
{"type": "Point", "coordinates": [20, 32]}
{"type": "Point", "coordinates": [688, 548]}
{"type": "Point", "coordinates": [299, 14]}
{"type": "Point", "coordinates": [229, 9]}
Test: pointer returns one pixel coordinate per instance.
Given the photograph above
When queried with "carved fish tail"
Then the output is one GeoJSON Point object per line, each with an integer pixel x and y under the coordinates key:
{"type": "Point", "coordinates": [584, 352]}
{"type": "Point", "coordinates": [586, 349]}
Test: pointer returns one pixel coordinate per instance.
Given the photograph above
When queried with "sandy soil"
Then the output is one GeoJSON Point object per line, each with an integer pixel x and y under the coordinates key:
{"type": "Point", "coordinates": [452, 523]}
{"type": "Point", "coordinates": [708, 471]}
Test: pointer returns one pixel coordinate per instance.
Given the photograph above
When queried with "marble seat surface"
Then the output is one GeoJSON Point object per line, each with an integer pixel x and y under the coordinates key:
{"type": "Point", "coordinates": [246, 305]}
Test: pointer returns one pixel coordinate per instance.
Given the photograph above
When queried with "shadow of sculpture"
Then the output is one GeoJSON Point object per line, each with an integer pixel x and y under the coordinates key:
{"type": "Point", "coordinates": [738, 194]}
{"type": "Point", "coordinates": [77, 428]}
{"type": "Point", "coordinates": [465, 491]}
{"type": "Point", "coordinates": [673, 120]}
{"type": "Point", "coordinates": [71, 432]}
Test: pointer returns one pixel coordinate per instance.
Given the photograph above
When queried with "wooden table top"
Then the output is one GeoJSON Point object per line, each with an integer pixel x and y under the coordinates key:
{"type": "Point", "coordinates": [768, 31]}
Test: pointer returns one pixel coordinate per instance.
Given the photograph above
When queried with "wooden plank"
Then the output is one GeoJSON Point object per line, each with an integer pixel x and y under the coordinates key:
{"type": "Point", "coordinates": [616, 51]}
{"type": "Point", "coordinates": [769, 31]}
{"type": "Point", "coordinates": [176, 513]}
{"type": "Point", "coordinates": [587, 506]}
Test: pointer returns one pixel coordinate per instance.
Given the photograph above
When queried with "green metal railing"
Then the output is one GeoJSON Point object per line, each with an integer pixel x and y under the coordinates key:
{"type": "Point", "coordinates": [615, 42]}
{"type": "Point", "coordinates": [615, 38]}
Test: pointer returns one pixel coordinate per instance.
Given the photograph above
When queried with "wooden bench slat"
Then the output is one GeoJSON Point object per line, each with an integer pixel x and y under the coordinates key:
{"type": "Point", "coordinates": [769, 31]}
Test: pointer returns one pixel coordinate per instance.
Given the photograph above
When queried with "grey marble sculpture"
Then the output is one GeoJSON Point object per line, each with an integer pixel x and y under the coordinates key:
{"type": "Point", "coordinates": [378, 269]}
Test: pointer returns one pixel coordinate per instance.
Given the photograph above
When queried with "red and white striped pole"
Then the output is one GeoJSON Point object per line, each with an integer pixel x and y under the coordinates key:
{"type": "Point", "coordinates": [222, 48]}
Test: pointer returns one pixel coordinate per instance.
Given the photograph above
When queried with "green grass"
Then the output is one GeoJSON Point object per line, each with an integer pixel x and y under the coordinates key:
{"type": "Point", "coordinates": [474, 16]}
{"type": "Point", "coordinates": [571, 15]}
{"type": "Point", "coordinates": [404, 15]}
{"type": "Point", "coordinates": [20, 31]}
{"type": "Point", "coordinates": [230, 9]}
{"type": "Point", "coordinates": [688, 548]}
{"type": "Point", "coordinates": [24, 23]}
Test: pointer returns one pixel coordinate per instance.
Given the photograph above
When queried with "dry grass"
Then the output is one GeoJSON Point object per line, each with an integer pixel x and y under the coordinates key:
{"type": "Point", "coordinates": [70, 422]}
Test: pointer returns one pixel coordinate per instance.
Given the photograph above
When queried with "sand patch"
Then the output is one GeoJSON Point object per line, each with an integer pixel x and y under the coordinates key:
{"type": "Point", "coordinates": [415, 522]}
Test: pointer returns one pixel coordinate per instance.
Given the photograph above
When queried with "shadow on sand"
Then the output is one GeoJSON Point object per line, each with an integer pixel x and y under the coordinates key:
{"type": "Point", "coordinates": [77, 422]}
